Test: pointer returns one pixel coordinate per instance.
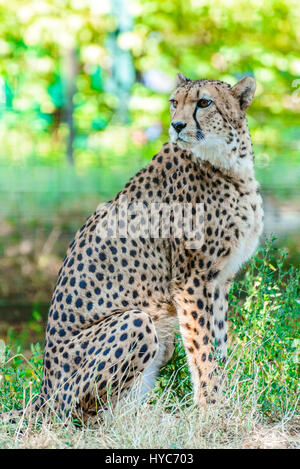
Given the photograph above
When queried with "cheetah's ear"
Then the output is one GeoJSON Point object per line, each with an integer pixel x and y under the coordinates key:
{"type": "Point", "coordinates": [244, 91]}
{"type": "Point", "coordinates": [181, 79]}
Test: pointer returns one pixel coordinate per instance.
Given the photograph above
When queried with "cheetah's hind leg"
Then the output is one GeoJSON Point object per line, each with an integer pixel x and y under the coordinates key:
{"type": "Point", "coordinates": [112, 354]}
{"type": "Point", "coordinates": [164, 353]}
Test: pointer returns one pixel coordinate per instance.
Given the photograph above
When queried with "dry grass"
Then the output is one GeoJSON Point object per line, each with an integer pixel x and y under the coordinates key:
{"type": "Point", "coordinates": [234, 422]}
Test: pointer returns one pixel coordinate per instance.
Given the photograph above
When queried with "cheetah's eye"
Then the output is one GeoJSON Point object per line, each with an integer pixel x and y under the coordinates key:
{"type": "Point", "coordinates": [173, 103]}
{"type": "Point", "coordinates": [204, 102]}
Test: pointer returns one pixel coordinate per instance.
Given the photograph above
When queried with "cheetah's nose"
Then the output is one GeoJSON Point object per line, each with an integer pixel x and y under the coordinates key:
{"type": "Point", "coordinates": [178, 126]}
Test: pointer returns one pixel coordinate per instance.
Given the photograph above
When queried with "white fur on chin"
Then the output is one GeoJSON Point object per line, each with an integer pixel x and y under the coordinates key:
{"type": "Point", "coordinates": [212, 149]}
{"type": "Point", "coordinates": [215, 150]}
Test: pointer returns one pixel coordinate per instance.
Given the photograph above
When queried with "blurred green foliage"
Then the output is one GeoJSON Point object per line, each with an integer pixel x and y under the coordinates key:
{"type": "Point", "coordinates": [114, 41]}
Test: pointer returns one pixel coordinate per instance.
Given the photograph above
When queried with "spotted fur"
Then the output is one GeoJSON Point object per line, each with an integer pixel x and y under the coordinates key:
{"type": "Point", "coordinates": [117, 300]}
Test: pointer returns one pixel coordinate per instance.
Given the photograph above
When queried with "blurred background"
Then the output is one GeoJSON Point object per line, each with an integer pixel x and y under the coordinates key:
{"type": "Point", "coordinates": [84, 87]}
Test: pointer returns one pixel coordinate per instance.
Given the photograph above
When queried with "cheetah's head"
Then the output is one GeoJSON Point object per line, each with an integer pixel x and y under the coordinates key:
{"type": "Point", "coordinates": [208, 119]}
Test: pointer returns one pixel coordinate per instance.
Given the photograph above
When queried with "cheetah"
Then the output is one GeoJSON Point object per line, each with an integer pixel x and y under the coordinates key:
{"type": "Point", "coordinates": [120, 294]}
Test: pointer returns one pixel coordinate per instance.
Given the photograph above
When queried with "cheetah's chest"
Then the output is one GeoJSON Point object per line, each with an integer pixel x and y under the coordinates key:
{"type": "Point", "coordinates": [248, 222]}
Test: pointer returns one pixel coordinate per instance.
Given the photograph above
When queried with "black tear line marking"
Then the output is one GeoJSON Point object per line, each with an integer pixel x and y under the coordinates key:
{"type": "Point", "coordinates": [200, 135]}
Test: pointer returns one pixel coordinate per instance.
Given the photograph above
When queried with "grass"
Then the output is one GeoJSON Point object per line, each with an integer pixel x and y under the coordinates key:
{"type": "Point", "coordinates": [259, 406]}
{"type": "Point", "coordinates": [226, 425]}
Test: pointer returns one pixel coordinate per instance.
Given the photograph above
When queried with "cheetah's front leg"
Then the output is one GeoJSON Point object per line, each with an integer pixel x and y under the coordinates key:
{"type": "Point", "coordinates": [220, 326]}
{"type": "Point", "coordinates": [202, 313]}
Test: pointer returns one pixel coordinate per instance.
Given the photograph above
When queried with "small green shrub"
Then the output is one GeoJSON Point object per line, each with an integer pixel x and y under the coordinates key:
{"type": "Point", "coordinates": [20, 377]}
{"type": "Point", "coordinates": [265, 323]}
